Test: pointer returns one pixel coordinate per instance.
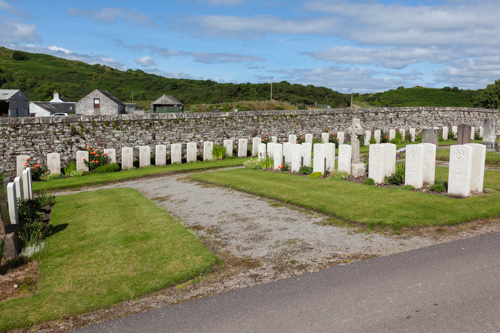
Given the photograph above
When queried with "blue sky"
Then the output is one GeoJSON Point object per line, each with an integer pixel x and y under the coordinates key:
{"type": "Point", "coordinates": [348, 46]}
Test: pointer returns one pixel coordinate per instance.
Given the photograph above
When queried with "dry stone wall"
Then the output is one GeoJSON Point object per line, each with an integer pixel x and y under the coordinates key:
{"type": "Point", "coordinates": [39, 136]}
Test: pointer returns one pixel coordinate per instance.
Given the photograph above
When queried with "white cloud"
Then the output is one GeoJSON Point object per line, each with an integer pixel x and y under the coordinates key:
{"type": "Point", "coordinates": [15, 32]}
{"type": "Point", "coordinates": [112, 15]}
{"type": "Point", "coordinates": [145, 61]}
{"type": "Point", "coordinates": [471, 73]}
{"type": "Point", "coordinates": [57, 48]}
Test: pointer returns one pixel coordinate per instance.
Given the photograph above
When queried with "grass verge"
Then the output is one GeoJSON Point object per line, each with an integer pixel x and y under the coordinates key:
{"type": "Point", "coordinates": [369, 205]}
{"type": "Point", "coordinates": [492, 158]}
{"type": "Point", "coordinates": [107, 246]}
{"type": "Point", "coordinates": [98, 179]}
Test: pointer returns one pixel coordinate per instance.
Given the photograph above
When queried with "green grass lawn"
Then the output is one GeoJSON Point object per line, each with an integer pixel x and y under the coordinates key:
{"type": "Point", "coordinates": [99, 179]}
{"type": "Point", "coordinates": [107, 246]}
{"type": "Point", "coordinates": [443, 154]}
{"type": "Point", "coordinates": [369, 205]}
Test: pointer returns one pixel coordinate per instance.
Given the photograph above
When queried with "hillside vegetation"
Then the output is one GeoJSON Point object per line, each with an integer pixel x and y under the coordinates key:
{"type": "Point", "coordinates": [39, 75]}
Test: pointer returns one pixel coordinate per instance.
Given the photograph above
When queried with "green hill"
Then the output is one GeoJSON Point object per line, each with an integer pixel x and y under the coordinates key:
{"type": "Point", "coordinates": [39, 75]}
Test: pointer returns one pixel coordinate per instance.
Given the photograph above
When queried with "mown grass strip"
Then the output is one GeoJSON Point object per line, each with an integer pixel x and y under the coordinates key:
{"type": "Point", "coordinates": [492, 158]}
{"type": "Point", "coordinates": [369, 205]}
{"type": "Point", "coordinates": [107, 246]}
{"type": "Point", "coordinates": [99, 179]}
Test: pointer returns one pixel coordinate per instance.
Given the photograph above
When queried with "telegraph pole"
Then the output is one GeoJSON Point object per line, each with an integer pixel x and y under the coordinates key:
{"type": "Point", "coordinates": [271, 89]}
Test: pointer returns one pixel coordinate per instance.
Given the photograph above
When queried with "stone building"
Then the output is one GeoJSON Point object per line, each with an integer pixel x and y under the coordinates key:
{"type": "Point", "coordinates": [13, 103]}
{"type": "Point", "coordinates": [167, 104]}
{"type": "Point", "coordinates": [99, 103]}
{"type": "Point", "coordinates": [57, 106]}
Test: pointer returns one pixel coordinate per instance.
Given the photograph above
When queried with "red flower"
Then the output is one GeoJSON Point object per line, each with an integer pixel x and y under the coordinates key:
{"type": "Point", "coordinates": [32, 168]}
{"type": "Point", "coordinates": [37, 165]}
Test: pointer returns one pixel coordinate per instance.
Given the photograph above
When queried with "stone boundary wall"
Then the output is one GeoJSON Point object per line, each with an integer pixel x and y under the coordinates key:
{"type": "Point", "coordinates": [39, 136]}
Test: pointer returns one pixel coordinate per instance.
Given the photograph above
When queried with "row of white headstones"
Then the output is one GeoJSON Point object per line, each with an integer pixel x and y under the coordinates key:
{"type": "Point", "coordinates": [20, 189]}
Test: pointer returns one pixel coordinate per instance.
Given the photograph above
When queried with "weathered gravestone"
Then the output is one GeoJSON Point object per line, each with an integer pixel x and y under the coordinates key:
{"type": "Point", "coordinates": [357, 169]}
{"type": "Point", "coordinates": [376, 135]}
{"type": "Point", "coordinates": [325, 137]}
{"type": "Point", "coordinates": [287, 152]}
{"type": "Point", "coordinates": [309, 138]}
{"type": "Point", "coordinates": [296, 157]}
{"type": "Point", "coordinates": [160, 155]}
{"type": "Point", "coordinates": [228, 144]}
{"type": "Point", "coordinates": [463, 134]}
{"type": "Point", "coordinates": [478, 161]}
{"type": "Point", "coordinates": [389, 156]}
{"type": "Point", "coordinates": [430, 136]}
{"type": "Point", "coordinates": [341, 137]}
{"type": "Point", "coordinates": [376, 163]}
{"type": "Point", "coordinates": [242, 147]}
{"type": "Point", "coordinates": [255, 146]}
{"type": "Point", "coordinates": [412, 134]}
{"type": "Point", "coordinates": [472, 133]}
{"type": "Point", "coordinates": [345, 158]}
{"type": "Point", "coordinates": [54, 162]}
{"type": "Point", "coordinates": [111, 154]}
{"type": "Point", "coordinates": [490, 134]}
{"type": "Point", "coordinates": [144, 156]}
{"type": "Point", "coordinates": [292, 138]}
{"type": "Point", "coordinates": [392, 134]}
{"type": "Point", "coordinates": [319, 158]}
{"type": "Point", "coordinates": [429, 160]}
{"type": "Point", "coordinates": [306, 154]}
{"type": "Point", "coordinates": [445, 133]}
{"type": "Point", "coordinates": [460, 170]}
{"type": "Point", "coordinates": [127, 158]}
{"type": "Point", "coordinates": [20, 164]}
{"type": "Point", "coordinates": [274, 139]}
{"type": "Point", "coordinates": [208, 149]}
{"type": "Point", "coordinates": [12, 201]}
{"type": "Point", "coordinates": [176, 153]}
{"type": "Point", "coordinates": [454, 130]}
{"type": "Point", "coordinates": [368, 137]}
{"type": "Point", "coordinates": [191, 152]}
{"type": "Point", "coordinates": [329, 154]}
{"type": "Point", "coordinates": [81, 157]}
{"type": "Point", "coordinates": [278, 156]}
{"type": "Point", "coordinates": [414, 166]}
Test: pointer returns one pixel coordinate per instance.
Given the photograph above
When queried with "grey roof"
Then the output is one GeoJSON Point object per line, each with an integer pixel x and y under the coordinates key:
{"type": "Point", "coordinates": [56, 107]}
{"type": "Point", "coordinates": [167, 100]}
{"type": "Point", "coordinates": [64, 99]}
{"type": "Point", "coordinates": [111, 97]}
{"type": "Point", "coordinates": [6, 94]}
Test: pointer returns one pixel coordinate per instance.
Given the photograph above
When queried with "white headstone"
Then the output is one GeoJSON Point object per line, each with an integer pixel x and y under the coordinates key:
{"type": "Point", "coordinates": [392, 134]}
{"type": "Point", "coordinates": [445, 133]}
{"type": "Point", "coordinates": [26, 185]}
{"type": "Point", "coordinates": [12, 202]}
{"type": "Point", "coordinates": [287, 152]}
{"type": "Point", "coordinates": [345, 158]}
{"type": "Point", "coordinates": [460, 170]}
{"type": "Point", "coordinates": [292, 138]}
{"type": "Point", "coordinates": [329, 152]}
{"type": "Point", "coordinates": [403, 133]}
{"type": "Point", "coordinates": [228, 144]}
{"type": "Point", "coordinates": [192, 152]}
{"type": "Point", "coordinates": [454, 130]}
{"type": "Point", "coordinates": [160, 155]}
{"type": "Point", "coordinates": [262, 151]}
{"type": "Point", "coordinates": [481, 132]}
{"type": "Point", "coordinates": [176, 153]}
{"type": "Point", "coordinates": [255, 146]}
{"type": "Point", "coordinates": [325, 137]}
{"type": "Point", "coordinates": [296, 158]}
{"type": "Point", "coordinates": [376, 163]}
{"type": "Point", "coordinates": [414, 166]}
{"type": "Point", "coordinates": [477, 171]}
{"type": "Point", "coordinates": [412, 135]}
{"type": "Point", "coordinates": [472, 133]}
{"type": "Point", "coordinates": [341, 137]}
{"type": "Point", "coordinates": [376, 135]}
{"type": "Point", "coordinates": [278, 156]}
{"type": "Point", "coordinates": [319, 158]}
{"type": "Point", "coordinates": [21, 164]}
{"type": "Point", "coordinates": [54, 162]}
{"type": "Point", "coordinates": [81, 157]}
{"type": "Point", "coordinates": [306, 154]}
{"type": "Point", "coordinates": [144, 156]}
{"type": "Point", "coordinates": [111, 153]}
{"type": "Point", "coordinates": [309, 138]}
{"type": "Point", "coordinates": [368, 137]}
{"type": "Point", "coordinates": [274, 139]}
{"type": "Point", "coordinates": [242, 147]}
{"type": "Point", "coordinates": [19, 188]}
{"type": "Point", "coordinates": [208, 151]}
{"type": "Point", "coordinates": [127, 158]}
{"type": "Point", "coordinates": [429, 162]}
{"type": "Point", "coordinates": [270, 149]}
{"type": "Point", "coordinates": [389, 155]}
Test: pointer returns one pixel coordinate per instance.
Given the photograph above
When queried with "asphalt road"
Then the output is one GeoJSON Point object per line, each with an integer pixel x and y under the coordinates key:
{"type": "Point", "coordinates": [453, 287]}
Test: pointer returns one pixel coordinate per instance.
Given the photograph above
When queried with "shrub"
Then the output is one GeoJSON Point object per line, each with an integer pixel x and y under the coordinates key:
{"type": "Point", "coordinates": [339, 175]}
{"type": "Point", "coordinates": [267, 163]}
{"type": "Point", "coordinates": [266, 139]}
{"type": "Point", "coordinates": [96, 158]}
{"type": "Point", "coordinates": [369, 181]}
{"type": "Point", "coordinates": [384, 137]}
{"type": "Point", "coordinates": [70, 168]}
{"type": "Point", "coordinates": [316, 174]}
{"type": "Point", "coordinates": [334, 139]}
{"type": "Point", "coordinates": [285, 167]}
{"type": "Point", "coordinates": [218, 152]}
{"type": "Point", "coordinates": [51, 176]}
{"type": "Point", "coordinates": [252, 163]}
{"type": "Point", "coordinates": [398, 177]}
{"type": "Point", "coordinates": [76, 173]}
{"type": "Point", "coordinates": [113, 167]}
{"type": "Point", "coordinates": [439, 186]}
{"type": "Point", "coordinates": [305, 170]}
{"type": "Point", "coordinates": [300, 138]}
{"type": "Point", "coordinates": [37, 170]}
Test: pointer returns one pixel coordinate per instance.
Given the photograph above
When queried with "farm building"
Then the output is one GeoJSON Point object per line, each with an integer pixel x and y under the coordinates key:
{"type": "Point", "coordinates": [13, 103]}
{"type": "Point", "coordinates": [99, 103]}
{"type": "Point", "coordinates": [166, 104]}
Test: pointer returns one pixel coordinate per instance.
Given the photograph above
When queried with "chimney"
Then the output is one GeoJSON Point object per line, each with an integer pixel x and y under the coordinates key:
{"type": "Point", "coordinates": [56, 95]}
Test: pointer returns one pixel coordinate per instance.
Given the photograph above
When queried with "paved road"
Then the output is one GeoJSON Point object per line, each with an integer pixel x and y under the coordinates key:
{"type": "Point", "coordinates": [453, 287]}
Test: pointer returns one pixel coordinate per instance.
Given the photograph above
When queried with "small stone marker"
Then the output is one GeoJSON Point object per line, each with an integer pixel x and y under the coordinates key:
{"type": "Point", "coordinates": [255, 146]}
{"type": "Point", "coordinates": [228, 144]}
{"type": "Point", "coordinates": [429, 163]}
{"type": "Point", "coordinates": [445, 133]}
{"type": "Point", "coordinates": [392, 134]}
{"type": "Point", "coordinates": [309, 138]}
{"type": "Point", "coordinates": [208, 149]}
{"type": "Point", "coordinates": [160, 155]}
{"type": "Point", "coordinates": [242, 147]}
{"type": "Point", "coordinates": [329, 154]}
{"type": "Point", "coordinates": [296, 158]}
{"type": "Point", "coordinates": [54, 162]}
{"type": "Point", "coordinates": [274, 139]}
{"type": "Point", "coordinates": [357, 169]}
{"type": "Point", "coordinates": [111, 153]}
{"type": "Point", "coordinates": [376, 135]}
{"type": "Point", "coordinates": [490, 134]}
{"type": "Point", "coordinates": [262, 151]}
{"type": "Point", "coordinates": [341, 137]}
{"type": "Point", "coordinates": [287, 152]}
{"type": "Point", "coordinates": [305, 154]}
{"type": "Point", "coordinates": [176, 153]}
{"type": "Point", "coordinates": [20, 161]}
{"type": "Point", "coordinates": [19, 188]}
{"type": "Point", "coordinates": [414, 166]}
{"type": "Point", "coordinates": [376, 163]}
{"type": "Point", "coordinates": [463, 134]}
{"type": "Point", "coordinates": [270, 149]}
{"type": "Point", "coordinates": [292, 138]}
{"type": "Point", "coordinates": [127, 158]}
{"type": "Point", "coordinates": [368, 137]}
{"type": "Point", "coordinates": [319, 158]}
{"type": "Point", "coordinates": [12, 203]}
{"type": "Point", "coordinates": [325, 137]}
{"type": "Point", "coordinates": [472, 133]}
{"type": "Point", "coordinates": [345, 158]}
{"type": "Point", "coordinates": [144, 156]}
{"type": "Point", "coordinates": [477, 171]}
{"type": "Point", "coordinates": [460, 170]}
{"type": "Point", "coordinates": [403, 133]}
{"type": "Point", "coordinates": [81, 157]}
{"type": "Point", "coordinates": [389, 155]}
{"type": "Point", "coordinates": [430, 136]}
{"type": "Point", "coordinates": [412, 135]}
{"type": "Point", "coordinates": [26, 185]}
{"type": "Point", "coordinates": [192, 152]}
{"type": "Point", "coordinates": [278, 156]}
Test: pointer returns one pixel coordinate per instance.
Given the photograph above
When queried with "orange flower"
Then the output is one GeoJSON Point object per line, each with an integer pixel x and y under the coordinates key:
{"type": "Point", "coordinates": [326, 129]}
{"type": "Point", "coordinates": [37, 165]}
{"type": "Point", "coordinates": [84, 159]}
{"type": "Point", "coordinates": [32, 168]}
{"type": "Point", "coordinates": [282, 165]}
{"type": "Point", "coordinates": [87, 148]}
{"type": "Point", "coordinates": [25, 163]}
{"type": "Point", "coordinates": [28, 158]}
{"type": "Point", "coordinates": [297, 141]}
{"type": "Point", "coordinates": [96, 155]}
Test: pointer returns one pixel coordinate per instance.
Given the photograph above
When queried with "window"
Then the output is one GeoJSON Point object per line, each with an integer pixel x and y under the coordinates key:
{"type": "Point", "coordinates": [97, 103]}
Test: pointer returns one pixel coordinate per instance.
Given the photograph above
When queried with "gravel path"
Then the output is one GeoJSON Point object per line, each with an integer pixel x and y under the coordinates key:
{"type": "Point", "coordinates": [260, 241]}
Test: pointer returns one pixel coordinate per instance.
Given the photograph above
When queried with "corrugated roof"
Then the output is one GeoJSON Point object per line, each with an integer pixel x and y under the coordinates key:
{"type": "Point", "coordinates": [167, 100]}
{"type": "Point", "coordinates": [6, 94]}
